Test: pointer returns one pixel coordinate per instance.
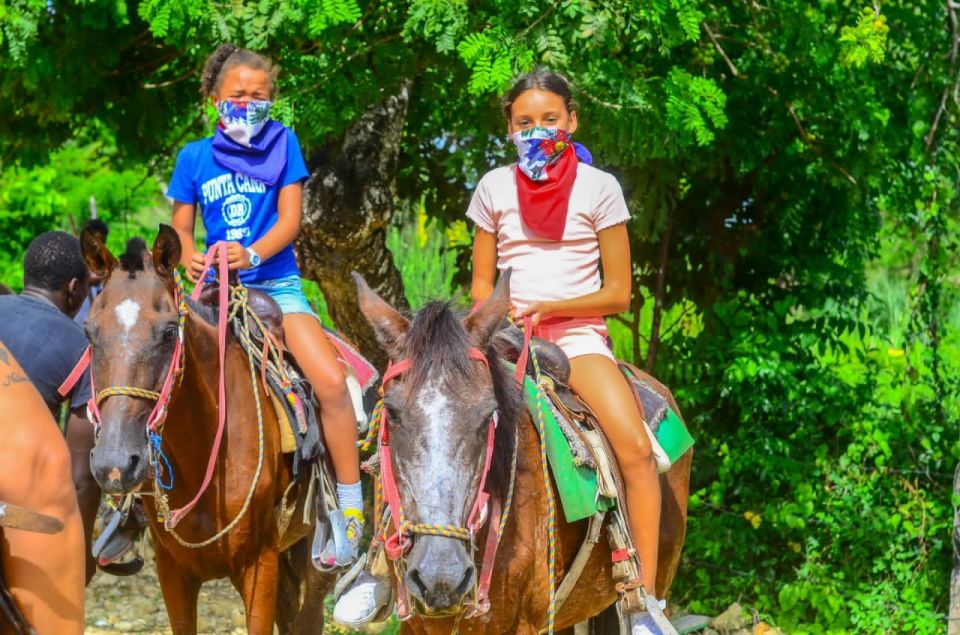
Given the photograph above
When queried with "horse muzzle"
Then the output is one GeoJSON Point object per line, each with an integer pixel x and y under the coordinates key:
{"type": "Point", "coordinates": [440, 575]}
{"type": "Point", "coordinates": [118, 471]}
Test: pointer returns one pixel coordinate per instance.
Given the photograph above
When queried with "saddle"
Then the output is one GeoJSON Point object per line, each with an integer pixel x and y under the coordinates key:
{"type": "Point", "coordinates": [291, 394]}
{"type": "Point", "coordinates": [259, 330]}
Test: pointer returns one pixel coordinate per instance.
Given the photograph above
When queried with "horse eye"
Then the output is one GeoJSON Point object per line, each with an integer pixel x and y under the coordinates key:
{"type": "Point", "coordinates": [393, 416]}
{"type": "Point", "coordinates": [170, 332]}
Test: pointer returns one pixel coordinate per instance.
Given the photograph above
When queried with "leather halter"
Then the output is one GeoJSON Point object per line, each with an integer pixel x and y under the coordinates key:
{"type": "Point", "coordinates": [398, 544]}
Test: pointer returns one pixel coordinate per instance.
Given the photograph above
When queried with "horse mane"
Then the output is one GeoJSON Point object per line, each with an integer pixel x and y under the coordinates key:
{"type": "Point", "coordinates": [208, 314]}
{"type": "Point", "coordinates": [436, 341]}
{"type": "Point", "coordinates": [132, 260]}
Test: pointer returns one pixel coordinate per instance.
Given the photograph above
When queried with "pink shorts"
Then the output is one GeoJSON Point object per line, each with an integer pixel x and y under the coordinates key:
{"type": "Point", "coordinates": [577, 336]}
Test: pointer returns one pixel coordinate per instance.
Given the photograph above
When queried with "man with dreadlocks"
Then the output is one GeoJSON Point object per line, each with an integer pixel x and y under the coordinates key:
{"type": "Point", "coordinates": [37, 327]}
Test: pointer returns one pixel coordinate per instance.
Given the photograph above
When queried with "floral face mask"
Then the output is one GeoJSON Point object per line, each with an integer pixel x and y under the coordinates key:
{"type": "Point", "coordinates": [539, 148]}
{"type": "Point", "coordinates": [243, 120]}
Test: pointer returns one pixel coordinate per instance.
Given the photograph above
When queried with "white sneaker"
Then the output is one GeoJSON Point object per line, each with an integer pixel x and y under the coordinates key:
{"type": "Point", "coordinates": [360, 604]}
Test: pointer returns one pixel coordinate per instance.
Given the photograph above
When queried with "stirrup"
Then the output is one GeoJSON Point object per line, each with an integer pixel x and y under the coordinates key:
{"type": "Point", "coordinates": [118, 538]}
{"type": "Point", "coordinates": [335, 534]}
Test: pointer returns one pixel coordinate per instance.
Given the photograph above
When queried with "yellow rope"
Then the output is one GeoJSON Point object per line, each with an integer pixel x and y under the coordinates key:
{"type": "Point", "coordinates": [437, 529]}
{"type": "Point", "coordinates": [127, 391]}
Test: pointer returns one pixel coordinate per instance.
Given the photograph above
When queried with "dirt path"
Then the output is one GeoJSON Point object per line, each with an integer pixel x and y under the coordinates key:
{"type": "Point", "coordinates": [135, 605]}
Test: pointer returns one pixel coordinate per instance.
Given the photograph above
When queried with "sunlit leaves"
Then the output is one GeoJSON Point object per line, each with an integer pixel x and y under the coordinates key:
{"type": "Point", "coordinates": [866, 41]}
{"type": "Point", "coordinates": [327, 13]}
{"type": "Point", "coordinates": [695, 107]}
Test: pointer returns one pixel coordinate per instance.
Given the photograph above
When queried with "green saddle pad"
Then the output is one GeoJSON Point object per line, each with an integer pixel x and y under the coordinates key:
{"type": "Point", "coordinates": [577, 484]}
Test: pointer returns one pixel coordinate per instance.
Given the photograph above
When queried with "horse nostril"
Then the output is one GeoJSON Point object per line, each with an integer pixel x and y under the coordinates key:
{"type": "Point", "coordinates": [134, 461]}
{"type": "Point", "coordinates": [416, 583]}
{"type": "Point", "coordinates": [466, 583]}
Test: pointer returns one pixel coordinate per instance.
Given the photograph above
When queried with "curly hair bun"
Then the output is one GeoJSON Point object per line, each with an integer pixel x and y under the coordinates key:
{"type": "Point", "coordinates": [212, 68]}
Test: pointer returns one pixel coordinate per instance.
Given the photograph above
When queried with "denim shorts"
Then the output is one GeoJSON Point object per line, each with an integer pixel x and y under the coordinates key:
{"type": "Point", "coordinates": [288, 293]}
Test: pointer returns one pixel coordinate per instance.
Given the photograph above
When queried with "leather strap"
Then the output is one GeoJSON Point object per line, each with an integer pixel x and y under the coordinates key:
{"type": "Point", "coordinates": [82, 364]}
{"type": "Point", "coordinates": [217, 252]}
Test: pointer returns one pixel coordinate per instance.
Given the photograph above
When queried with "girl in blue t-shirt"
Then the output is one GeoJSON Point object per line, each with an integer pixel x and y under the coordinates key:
{"type": "Point", "coordinates": [246, 181]}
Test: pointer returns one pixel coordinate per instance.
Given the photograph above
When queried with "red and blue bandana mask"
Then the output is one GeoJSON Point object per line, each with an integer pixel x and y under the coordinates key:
{"type": "Point", "coordinates": [546, 169]}
{"type": "Point", "coordinates": [243, 120]}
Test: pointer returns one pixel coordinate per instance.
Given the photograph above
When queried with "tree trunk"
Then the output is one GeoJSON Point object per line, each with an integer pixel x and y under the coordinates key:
{"type": "Point", "coordinates": [348, 202]}
{"type": "Point", "coordinates": [659, 291]}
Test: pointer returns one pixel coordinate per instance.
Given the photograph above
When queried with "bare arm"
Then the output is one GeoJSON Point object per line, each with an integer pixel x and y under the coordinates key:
{"type": "Point", "coordinates": [613, 296]}
{"type": "Point", "coordinates": [287, 227]}
{"type": "Point", "coordinates": [283, 232]}
{"type": "Point", "coordinates": [484, 265]}
{"type": "Point", "coordinates": [184, 219]}
{"type": "Point", "coordinates": [80, 441]}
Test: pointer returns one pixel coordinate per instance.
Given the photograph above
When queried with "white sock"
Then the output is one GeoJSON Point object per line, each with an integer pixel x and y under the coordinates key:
{"type": "Point", "coordinates": [350, 496]}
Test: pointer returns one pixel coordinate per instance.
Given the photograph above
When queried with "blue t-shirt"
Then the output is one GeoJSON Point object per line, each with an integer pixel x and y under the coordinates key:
{"type": "Point", "coordinates": [236, 207]}
{"type": "Point", "coordinates": [48, 346]}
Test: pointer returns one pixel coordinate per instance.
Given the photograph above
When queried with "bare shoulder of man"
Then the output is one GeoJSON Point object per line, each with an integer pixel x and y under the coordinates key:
{"type": "Point", "coordinates": [44, 572]}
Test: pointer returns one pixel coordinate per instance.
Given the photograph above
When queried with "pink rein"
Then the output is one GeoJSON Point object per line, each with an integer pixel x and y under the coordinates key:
{"type": "Point", "coordinates": [217, 252]}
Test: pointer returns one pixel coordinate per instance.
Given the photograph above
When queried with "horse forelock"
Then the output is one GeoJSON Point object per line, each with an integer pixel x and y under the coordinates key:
{"type": "Point", "coordinates": [135, 257]}
{"type": "Point", "coordinates": [437, 342]}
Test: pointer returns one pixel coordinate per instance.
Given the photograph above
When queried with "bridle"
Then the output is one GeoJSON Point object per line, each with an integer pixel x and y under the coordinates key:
{"type": "Point", "coordinates": [399, 543]}
{"type": "Point", "coordinates": [174, 373]}
{"type": "Point", "coordinates": [154, 425]}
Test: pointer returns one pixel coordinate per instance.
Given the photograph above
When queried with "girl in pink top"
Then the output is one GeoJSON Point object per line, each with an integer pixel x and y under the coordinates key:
{"type": "Point", "coordinates": [555, 220]}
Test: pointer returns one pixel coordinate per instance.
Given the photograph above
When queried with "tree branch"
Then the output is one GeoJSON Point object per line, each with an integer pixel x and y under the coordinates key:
{"type": "Point", "coordinates": [658, 292]}
{"type": "Point", "coordinates": [723, 54]}
{"type": "Point", "coordinates": [807, 140]}
{"type": "Point", "coordinates": [941, 109]}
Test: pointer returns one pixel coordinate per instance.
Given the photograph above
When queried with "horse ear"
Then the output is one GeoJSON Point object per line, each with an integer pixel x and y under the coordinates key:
{"type": "Point", "coordinates": [486, 319]}
{"type": "Point", "coordinates": [389, 324]}
{"type": "Point", "coordinates": [98, 258]}
{"type": "Point", "coordinates": [166, 250]}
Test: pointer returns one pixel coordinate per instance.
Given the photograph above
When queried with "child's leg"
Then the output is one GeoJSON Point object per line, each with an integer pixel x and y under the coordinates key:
{"type": "Point", "coordinates": [309, 344]}
{"type": "Point", "coordinates": [599, 382]}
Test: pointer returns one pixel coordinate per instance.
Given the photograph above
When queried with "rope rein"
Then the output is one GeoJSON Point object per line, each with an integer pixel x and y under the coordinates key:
{"type": "Point", "coordinates": [548, 487]}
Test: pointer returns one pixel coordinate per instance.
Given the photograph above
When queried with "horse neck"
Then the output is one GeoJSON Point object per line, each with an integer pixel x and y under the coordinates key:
{"type": "Point", "coordinates": [194, 405]}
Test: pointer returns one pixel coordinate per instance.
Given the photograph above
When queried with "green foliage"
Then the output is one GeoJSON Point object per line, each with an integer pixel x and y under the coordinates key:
{"type": "Point", "coordinates": [488, 56]}
{"type": "Point", "coordinates": [694, 106]}
{"type": "Point", "coordinates": [866, 41]}
{"type": "Point", "coordinates": [427, 255]}
{"type": "Point", "coordinates": [57, 195]}
{"type": "Point", "coordinates": [327, 13]}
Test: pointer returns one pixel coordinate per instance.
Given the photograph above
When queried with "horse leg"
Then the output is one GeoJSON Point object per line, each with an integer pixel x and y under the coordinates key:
{"type": "Point", "coordinates": [257, 583]}
{"type": "Point", "coordinates": [316, 586]}
{"type": "Point", "coordinates": [179, 594]}
{"type": "Point", "coordinates": [288, 595]}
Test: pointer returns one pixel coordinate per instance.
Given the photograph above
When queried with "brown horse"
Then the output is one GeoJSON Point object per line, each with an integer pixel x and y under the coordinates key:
{"type": "Point", "coordinates": [438, 413]}
{"type": "Point", "coordinates": [133, 327]}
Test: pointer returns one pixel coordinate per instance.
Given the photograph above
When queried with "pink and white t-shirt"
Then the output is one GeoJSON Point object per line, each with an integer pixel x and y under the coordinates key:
{"type": "Point", "coordinates": [545, 269]}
